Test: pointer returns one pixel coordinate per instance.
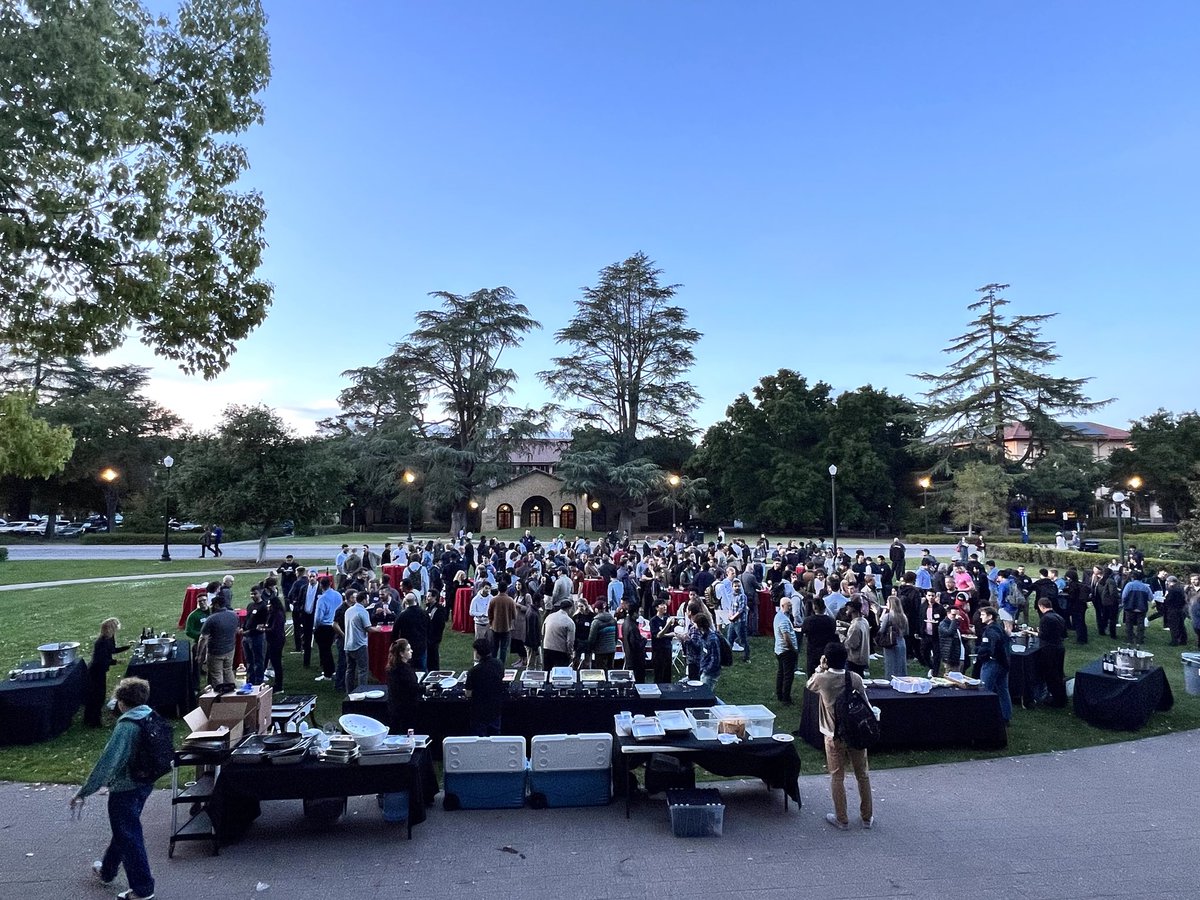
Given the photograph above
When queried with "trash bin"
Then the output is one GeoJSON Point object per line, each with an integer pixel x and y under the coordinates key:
{"type": "Point", "coordinates": [1090, 546]}
{"type": "Point", "coordinates": [1191, 673]}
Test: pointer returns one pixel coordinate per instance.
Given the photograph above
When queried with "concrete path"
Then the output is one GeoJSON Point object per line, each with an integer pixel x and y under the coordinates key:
{"type": "Point", "coordinates": [1115, 821]}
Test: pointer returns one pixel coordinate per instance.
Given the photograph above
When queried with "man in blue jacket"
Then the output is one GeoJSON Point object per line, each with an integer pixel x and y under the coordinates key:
{"type": "Point", "coordinates": [1135, 602]}
{"type": "Point", "coordinates": [126, 797]}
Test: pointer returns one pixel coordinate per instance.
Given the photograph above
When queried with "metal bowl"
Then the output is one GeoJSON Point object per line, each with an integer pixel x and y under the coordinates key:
{"type": "Point", "coordinates": [60, 653]}
{"type": "Point", "coordinates": [158, 648]}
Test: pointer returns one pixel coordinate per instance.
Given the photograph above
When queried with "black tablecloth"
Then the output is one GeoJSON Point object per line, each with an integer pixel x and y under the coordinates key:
{"type": "Point", "coordinates": [1023, 676]}
{"type": "Point", "coordinates": [1107, 701]}
{"type": "Point", "coordinates": [530, 716]}
{"type": "Point", "coordinates": [241, 788]}
{"type": "Point", "coordinates": [945, 717]}
{"type": "Point", "coordinates": [172, 690]}
{"type": "Point", "coordinates": [776, 763]}
{"type": "Point", "coordinates": [36, 711]}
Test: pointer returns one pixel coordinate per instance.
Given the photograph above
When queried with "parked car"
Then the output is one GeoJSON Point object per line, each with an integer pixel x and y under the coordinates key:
{"type": "Point", "coordinates": [74, 529]}
{"type": "Point", "coordinates": [185, 526]}
{"type": "Point", "coordinates": [20, 526]}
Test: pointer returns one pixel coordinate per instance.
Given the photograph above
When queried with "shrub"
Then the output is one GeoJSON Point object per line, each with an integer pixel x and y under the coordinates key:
{"type": "Point", "coordinates": [135, 537]}
{"type": "Point", "coordinates": [1031, 555]}
{"type": "Point", "coordinates": [3, 554]}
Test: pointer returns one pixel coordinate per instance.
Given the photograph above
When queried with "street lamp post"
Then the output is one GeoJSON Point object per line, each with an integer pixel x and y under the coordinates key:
{"type": "Point", "coordinates": [109, 477]}
{"type": "Point", "coordinates": [1119, 500]}
{"type": "Point", "coordinates": [1135, 484]}
{"type": "Point", "coordinates": [833, 505]}
{"type": "Point", "coordinates": [167, 462]}
{"type": "Point", "coordinates": [354, 520]}
{"type": "Point", "coordinates": [409, 478]}
{"type": "Point", "coordinates": [673, 480]}
{"type": "Point", "coordinates": [924, 483]}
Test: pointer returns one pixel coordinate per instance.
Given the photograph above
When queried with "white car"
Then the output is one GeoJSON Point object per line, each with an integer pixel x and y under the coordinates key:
{"type": "Point", "coordinates": [22, 526]}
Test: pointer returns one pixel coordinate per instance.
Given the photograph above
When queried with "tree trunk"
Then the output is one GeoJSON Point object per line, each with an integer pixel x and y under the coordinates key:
{"type": "Point", "coordinates": [458, 517]}
{"type": "Point", "coordinates": [625, 520]}
{"type": "Point", "coordinates": [262, 543]}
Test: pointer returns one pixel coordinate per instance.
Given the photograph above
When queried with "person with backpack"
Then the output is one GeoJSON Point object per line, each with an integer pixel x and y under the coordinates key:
{"type": "Point", "coordinates": [893, 626]}
{"type": "Point", "coordinates": [706, 639]}
{"type": "Point", "coordinates": [995, 654]}
{"type": "Point", "coordinates": [829, 682]}
{"type": "Point", "coordinates": [138, 754]}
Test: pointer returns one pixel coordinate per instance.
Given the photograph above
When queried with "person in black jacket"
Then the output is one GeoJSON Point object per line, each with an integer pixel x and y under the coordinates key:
{"type": "Point", "coordinates": [1052, 631]}
{"type": "Point", "coordinates": [413, 625]}
{"type": "Point", "coordinates": [435, 609]}
{"type": "Point", "coordinates": [103, 652]}
{"type": "Point", "coordinates": [910, 602]}
{"type": "Point", "coordinates": [819, 631]}
{"type": "Point", "coordinates": [633, 643]}
{"type": "Point", "coordinates": [404, 693]}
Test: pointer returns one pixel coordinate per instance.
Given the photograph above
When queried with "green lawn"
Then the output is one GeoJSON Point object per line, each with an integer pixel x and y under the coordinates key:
{"type": "Point", "coordinates": [41, 570]}
{"type": "Point", "coordinates": [74, 613]}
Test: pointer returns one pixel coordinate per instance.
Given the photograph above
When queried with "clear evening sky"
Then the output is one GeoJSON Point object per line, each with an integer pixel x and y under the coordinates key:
{"type": "Point", "coordinates": [829, 183]}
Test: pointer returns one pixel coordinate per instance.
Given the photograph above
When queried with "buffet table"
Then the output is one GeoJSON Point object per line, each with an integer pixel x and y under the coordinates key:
{"type": "Point", "coordinates": [776, 762]}
{"type": "Point", "coordinates": [172, 685]}
{"type": "Point", "coordinates": [191, 599]}
{"type": "Point", "coordinates": [379, 644]}
{"type": "Point", "coordinates": [529, 716]}
{"type": "Point", "coordinates": [1108, 701]}
{"type": "Point", "coordinates": [945, 717]}
{"type": "Point", "coordinates": [593, 589]}
{"type": "Point", "coordinates": [1023, 677]}
{"type": "Point", "coordinates": [240, 789]}
{"type": "Point", "coordinates": [461, 620]}
{"type": "Point", "coordinates": [35, 711]}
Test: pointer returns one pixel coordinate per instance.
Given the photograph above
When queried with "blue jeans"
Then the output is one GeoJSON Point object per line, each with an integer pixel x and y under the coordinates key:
{"type": "Point", "coordinates": [996, 679]}
{"type": "Point", "coordinates": [127, 845]}
{"type": "Point", "coordinates": [254, 646]}
{"type": "Point", "coordinates": [736, 633]}
{"type": "Point", "coordinates": [339, 674]}
{"type": "Point", "coordinates": [710, 681]}
{"type": "Point", "coordinates": [895, 660]}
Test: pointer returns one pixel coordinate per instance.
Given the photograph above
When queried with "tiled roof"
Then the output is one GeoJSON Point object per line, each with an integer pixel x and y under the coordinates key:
{"type": "Point", "coordinates": [1092, 431]}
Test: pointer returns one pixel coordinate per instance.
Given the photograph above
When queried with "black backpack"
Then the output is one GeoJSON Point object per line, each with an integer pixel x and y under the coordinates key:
{"type": "Point", "coordinates": [853, 719]}
{"type": "Point", "coordinates": [726, 650]}
{"type": "Point", "coordinates": [153, 751]}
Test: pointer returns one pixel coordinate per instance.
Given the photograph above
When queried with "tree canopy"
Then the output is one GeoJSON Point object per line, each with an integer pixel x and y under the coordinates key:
{"type": "Point", "coordinates": [30, 447]}
{"type": "Point", "coordinates": [120, 206]}
{"type": "Point", "coordinates": [1165, 455]}
{"type": "Point", "coordinates": [998, 375]}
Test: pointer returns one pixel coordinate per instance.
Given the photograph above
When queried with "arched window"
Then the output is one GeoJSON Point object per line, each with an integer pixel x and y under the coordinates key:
{"type": "Point", "coordinates": [504, 517]}
{"type": "Point", "coordinates": [566, 516]}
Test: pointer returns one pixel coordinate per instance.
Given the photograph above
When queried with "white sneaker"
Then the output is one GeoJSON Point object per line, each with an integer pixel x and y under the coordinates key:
{"type": "Point", "coordinates": [868, 824]}
{"type": "Point", "coordinates": [832, 819]}
{"type": "Point", "coordinates": [320, 678]}
{"type": "Point", "coordinates": [97, 868]}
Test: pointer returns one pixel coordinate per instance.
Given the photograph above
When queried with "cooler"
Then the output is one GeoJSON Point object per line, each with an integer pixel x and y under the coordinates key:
{"type": "Point", "coordinates": [570, 770]}
{"type": "Point", "coordinates": [484, 772]}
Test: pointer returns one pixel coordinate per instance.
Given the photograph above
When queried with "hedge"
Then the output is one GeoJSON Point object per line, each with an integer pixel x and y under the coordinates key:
{"type": "Point", "coordinates": [135, 537]}
{"type": "Point", "coordinates": [3, 554]}
{"type": "Point", "coordinates": [1081, 562]}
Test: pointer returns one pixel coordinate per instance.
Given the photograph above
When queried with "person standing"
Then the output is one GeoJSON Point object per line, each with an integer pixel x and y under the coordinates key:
{"type": "Point", "coordinates": [404, 692]}
{"type": "Point", "coordinates": [218, 534]}
{"type": "Point", "coordinates": [858, 640]}
{"type": "Point", "coordinates": [995, 655]}
{"type": "Point", "coordinates": [206, 540]}
{"type": "Point", "coordinates": [708, 642]}
{"type": "Point", "coordinates": [828, 682]}
{"type": "Point", "coordinates": [661, 629]}
{"type": "Point", "coordinates": [787, 652]}
{"type": "Point", "coordinates": [1105, 597]}
{"type": "Point", "coordinates": [102, 660]}
{"type": "Point", "coordinates": [485, 690]}
{"type": "Point", "coordinates": [1175, 611]}
{"type": "Point", "coordinates": [633, 642]}
{"type": "Point", "coordinates": [413, 625]}
{"type": "Point", "coordinates": [221, 628]}
{"type": "Point", "coordinates": [324, 629]}
{"type": "Point", "coordinates": [818, 629]}
{"type": "Point", "coordinates": [296, 600]}
{"type": "Point", "coordinates": [558, 636]}
{"type": "Point", "coordinates": [893, 626]}
{"type": "Point", "coordinates": [896, 557]}
{"type": "Point", "coordinates": [254, 639]}
{"type": "Point", "coordinates": [1052, 632]}
{"type": "Point", "coordinates": [435, 609]}
{"type": "Point", "coordinates": [126, 797]}
{"type": "Point", "coordinates": [602, 639]}
{"type": "Point", "coordinates": [1135, 603]}
{"type": "Point", "coordinates": [357, 623]}
{"type": "Point", "coordinates": [275, 636]}
{"type": "Point", "coordinates": [502, 617]}
{"type": "Point", "coordinates": [738, 615]}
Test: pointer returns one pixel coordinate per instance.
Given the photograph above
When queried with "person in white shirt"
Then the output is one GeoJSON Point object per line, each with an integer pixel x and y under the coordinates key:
{"type": "Point", "coordinates": [357, 624]}
{"type": "Point", "coordinates": [479, 609]}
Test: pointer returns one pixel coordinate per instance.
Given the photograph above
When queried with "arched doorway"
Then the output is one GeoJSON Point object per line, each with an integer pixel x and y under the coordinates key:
{"type": "Point", "coordinates": [599, 516]}
{"type": "Point", "coordinates": [566, 517]}
{"type": "Point", "coordinates": [504, 516]}
{"type": "Point", "coordinates": [536, 512]}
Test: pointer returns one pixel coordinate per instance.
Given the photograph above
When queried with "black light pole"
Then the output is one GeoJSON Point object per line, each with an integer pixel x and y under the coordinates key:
{"type": "Point", "coordinates": [924, 483]}
{"type": "Point", "coordinates": [1119, 500]}
{"type": "Point", "coordinates": [409, 478]}
{"type": "Point", "coordinates": [833, 497]}
{"type": "Point", "coordinates": [673, 480]}
{"type": "Point", "coordinates": [109, 477]}
{"type": "Point", "coordinates": [166, 554]}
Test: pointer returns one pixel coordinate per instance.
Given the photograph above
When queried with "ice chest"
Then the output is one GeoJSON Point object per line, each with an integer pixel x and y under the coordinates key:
{"type": "Point", "coordinates": [570, 770]}
{"type": "Point", "coordinates": [696, 813]}
{"type": "Point", "coordinates": [484, 772]}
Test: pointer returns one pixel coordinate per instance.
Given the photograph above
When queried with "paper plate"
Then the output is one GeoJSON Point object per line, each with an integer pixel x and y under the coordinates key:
{"type": "Point", "coordinates": [783, 738]}
{"type": "Point", "coordinates": [727, 738]}
{"type": "Point", "coordinates": [374, 695]}
{"type": "Point", "coordinates": [694, 683]}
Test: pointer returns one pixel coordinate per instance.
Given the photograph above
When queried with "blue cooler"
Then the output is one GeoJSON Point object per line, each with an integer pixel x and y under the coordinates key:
{"type": "Point", "coordinates": [395, 806]}
{"type": "Point", "coordinates": [484, 772]}
{"type": "Point", "coordinates": [570, 770]}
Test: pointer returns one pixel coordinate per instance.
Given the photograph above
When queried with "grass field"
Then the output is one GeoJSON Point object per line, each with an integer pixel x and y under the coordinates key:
{"type": "Point", "coordinates": [35, 571]}
{"type": "Point", "coordinates": [34, 616]}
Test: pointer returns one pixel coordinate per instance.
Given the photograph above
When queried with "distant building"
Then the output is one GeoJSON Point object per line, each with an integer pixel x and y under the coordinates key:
{"type": "Point", "coordinates": [1101, 440]}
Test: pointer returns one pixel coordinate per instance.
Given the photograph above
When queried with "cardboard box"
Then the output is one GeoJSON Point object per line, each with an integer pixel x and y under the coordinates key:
{"type": "Point", "coordinates": [255, 706]}
{"type": "Point", "coordinates": [224, 725]}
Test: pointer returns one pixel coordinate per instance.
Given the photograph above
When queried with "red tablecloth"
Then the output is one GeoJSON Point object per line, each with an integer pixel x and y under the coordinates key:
{"type": "Point", "coordinates": [378, 644]}
{"type": "Point", "coordinates": [394, 572]}
{"type": "Point", "coordinates": [593, 589]}
{"type": "Point", "coordinates": [462, 622]}
{"type": "Point", "coordinates": [191, 599]}
{"type": "Point", "coordinates": [766, 613]}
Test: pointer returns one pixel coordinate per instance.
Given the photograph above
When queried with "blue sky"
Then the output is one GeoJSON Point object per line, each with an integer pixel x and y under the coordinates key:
{"type": "Point", "coordinates": [828, 182]}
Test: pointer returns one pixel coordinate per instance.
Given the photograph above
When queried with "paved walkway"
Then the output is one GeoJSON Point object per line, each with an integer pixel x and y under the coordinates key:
{"type": "Point", "coordinates": [1112, 821]}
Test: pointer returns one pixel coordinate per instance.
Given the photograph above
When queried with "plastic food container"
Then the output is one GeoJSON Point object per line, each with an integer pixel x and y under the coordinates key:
{"type": "Point", "coordinates": [760, 721]}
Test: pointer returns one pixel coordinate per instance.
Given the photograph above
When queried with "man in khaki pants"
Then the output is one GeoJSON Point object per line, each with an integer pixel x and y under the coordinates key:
{"type": "Point", "coordinates": [221, 628]}
{"type": "Point", "coordinates": [828, 682]}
